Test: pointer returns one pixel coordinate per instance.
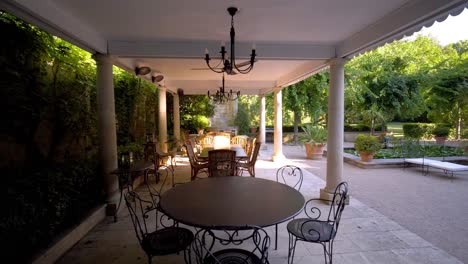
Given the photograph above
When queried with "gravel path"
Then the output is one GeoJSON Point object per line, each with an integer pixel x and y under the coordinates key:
{"type": "Point", "coordinates": [433, 206]}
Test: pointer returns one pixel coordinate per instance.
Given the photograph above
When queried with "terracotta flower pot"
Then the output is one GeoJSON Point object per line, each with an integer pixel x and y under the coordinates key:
{"type": "Point", "coordinates": [440, 140]}
{"type": "Point", "coordinates": [366, 156]}
{"type": "Point", "coordinates": [314, 151]}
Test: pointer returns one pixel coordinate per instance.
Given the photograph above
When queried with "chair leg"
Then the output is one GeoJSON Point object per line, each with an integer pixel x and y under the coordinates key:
{"type": "Point", "coordinates": [276, 237]}
{"type": "Point", "coordinates": [292, 248]}
{"type": "Point", "coordinates": [328, 254]}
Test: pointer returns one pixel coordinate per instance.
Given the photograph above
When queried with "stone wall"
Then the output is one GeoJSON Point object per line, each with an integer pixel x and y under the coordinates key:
{"type": "Point", "coordinates": [224, 116]}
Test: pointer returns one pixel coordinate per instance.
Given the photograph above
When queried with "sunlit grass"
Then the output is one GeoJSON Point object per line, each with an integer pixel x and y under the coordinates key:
{"type": "Point", "coordinates": [396, 128]}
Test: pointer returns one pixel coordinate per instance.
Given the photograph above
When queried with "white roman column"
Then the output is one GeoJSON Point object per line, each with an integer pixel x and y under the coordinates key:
{"type": "Point", "coordinates": [162, 119]}
{"type": "Point", "coordinates": [106, 128]}
{"type": "Point", "coordinates": [176, 110]}
{"type": "Point", "coordinates": [278, 129]}
{"type": "Point", "coordinates": [261, 133]}
{"type": "Point", "coordinates": [335, 128]}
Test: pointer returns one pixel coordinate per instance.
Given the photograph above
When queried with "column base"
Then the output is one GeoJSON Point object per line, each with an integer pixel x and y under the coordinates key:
{"type": "Point", "coordinates": [326, 195]}
{"type": "Point", "coordinates": [278, 157]}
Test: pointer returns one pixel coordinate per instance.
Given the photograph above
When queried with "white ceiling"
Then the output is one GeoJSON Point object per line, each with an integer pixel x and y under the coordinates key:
{"type": "Point", "coordinates": [294, 38]}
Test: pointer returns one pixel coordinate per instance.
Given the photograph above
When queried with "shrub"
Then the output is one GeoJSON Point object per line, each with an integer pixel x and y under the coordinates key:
{"type": "Point", "coordinates": [414, 131]}
{"type": "Point", "coordinates": [201, 122]}
{"type": "Point", "coordinates": [367, 143]}
{"type": "Point", "coordinates": [314, 134]}
{"type": "Point", "coordinates": [441, 131]}
{"type": "Point", "coordinates": [42, 202]}
{"type": "Point", "coordinates": [464, 134]}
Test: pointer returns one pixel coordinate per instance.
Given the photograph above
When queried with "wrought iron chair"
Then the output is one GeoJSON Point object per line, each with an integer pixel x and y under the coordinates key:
{"type": "Point", "coordinates": [209, 246]}
{"type": "Point", "coordinates": [291, 176]}
{"type": "Point", "coordinates": [314, 230]}
{"type": "Point", "coordinates": [155, 238]}
{"type": "Point", "coordinates": [125, 179]}
{"type": "Point", "coordinates": [221, 162]}
{"type": "Point", "coordinates": [195, 164]}
{"type": "Point", "coordinates": [151, 152]}
{"type": "Point", "coordinates": [249, 165]}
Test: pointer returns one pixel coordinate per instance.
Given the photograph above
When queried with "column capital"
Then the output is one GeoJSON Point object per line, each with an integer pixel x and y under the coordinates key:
{"type": "Point", "coordinates": [162, 88]}
{"type": "Point", "coordinates": [103, 58]}
{"type": "Point", "coordinates": [277, 89]}
{"type": "Point", "coordinates": [337, 61]}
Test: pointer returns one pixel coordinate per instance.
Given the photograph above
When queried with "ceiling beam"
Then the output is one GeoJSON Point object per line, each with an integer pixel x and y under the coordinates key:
{"type": "Point", "coordinates": [43, 13]}
{"type": "Point", "coordinates": [406, 20]}
{"type": "Point", "coordinates": [300, 73]}
{"type": "Point", "coordinates": [196, 49]}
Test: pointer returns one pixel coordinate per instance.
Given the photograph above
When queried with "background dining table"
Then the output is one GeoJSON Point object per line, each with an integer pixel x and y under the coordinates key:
{"type": "Point", "coordinates": [240, 152]}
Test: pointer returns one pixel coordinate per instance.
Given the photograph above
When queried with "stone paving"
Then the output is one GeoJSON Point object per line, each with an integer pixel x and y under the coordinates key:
{"type": "Point", "coordinates": [365, 235]}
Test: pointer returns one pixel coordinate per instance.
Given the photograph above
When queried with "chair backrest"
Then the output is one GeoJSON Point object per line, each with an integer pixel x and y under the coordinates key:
{"type": "Point", "coordinates": [191, 154]}
{"type": "Point", "coordinates": [250, 145]}
{"type": "Point", "coordinates": [291, 176]}
{"type": "Point", "coordinates": [142, 212]}
{"type": "Point", "coordinates": [231, 246]}
{"type": "Point", "coordinates": [151, 153]}
{"type": "Point", "coordinates": [221, 162]}
{"type": "Point", "coordinates": [254, 154]}
{"type": "Point", "coordinates": [337, 205]}
{"type": "Point", "coordinates": [240, 140]}
{"type": "Point", "coordinates": [206, 141]}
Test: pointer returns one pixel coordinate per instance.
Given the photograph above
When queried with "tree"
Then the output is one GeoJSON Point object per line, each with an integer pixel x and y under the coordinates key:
{"type": "Point", "coordinates": [387, 81]}
{"type": "Point", "coordinates": [191, 106]}
{"type": "Point", "coordinates": [447, 94]}
{"type": "Point", "coordinates": [306, 98]}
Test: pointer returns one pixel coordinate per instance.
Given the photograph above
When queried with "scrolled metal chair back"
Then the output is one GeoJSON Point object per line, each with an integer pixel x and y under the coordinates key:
{"type": "Point", "coordinates": [337, 205]}
{"type": "Point", "coordinates": [139, 210]}
{"type": "Point", "coordinates": [208, 242]}
{"type": "Point", "coordinates": [291, 176]}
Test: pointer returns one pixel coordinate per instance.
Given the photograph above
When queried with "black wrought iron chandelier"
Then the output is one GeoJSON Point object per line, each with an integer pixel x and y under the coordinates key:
{"type": "Point", "coordinates": [228, 64]}
{"type": "Point", "coordinates": [222, 96]}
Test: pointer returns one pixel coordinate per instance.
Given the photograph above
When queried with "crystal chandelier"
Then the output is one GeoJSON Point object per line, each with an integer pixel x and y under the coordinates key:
{"type": "Point", "coordinates": [229, 65]}
{"type": "Point", "coordinates": [222, 96]}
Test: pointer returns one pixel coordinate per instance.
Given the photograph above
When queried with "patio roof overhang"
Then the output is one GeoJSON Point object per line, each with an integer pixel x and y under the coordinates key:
{"type": "Point", "coordinates": [294, 39]}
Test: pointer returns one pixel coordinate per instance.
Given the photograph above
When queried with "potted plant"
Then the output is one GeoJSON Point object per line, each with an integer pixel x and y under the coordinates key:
{"type": "Point", "coordinates": [440, 134]}
{"type": "Point", "coordinates": [314, 139]}
{"type": "Point", "coordinates": [367, 146]}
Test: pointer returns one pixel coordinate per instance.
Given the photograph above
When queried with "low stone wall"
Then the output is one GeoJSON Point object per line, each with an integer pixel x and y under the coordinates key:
{"type": "Point", "coordinates": [68, 240]}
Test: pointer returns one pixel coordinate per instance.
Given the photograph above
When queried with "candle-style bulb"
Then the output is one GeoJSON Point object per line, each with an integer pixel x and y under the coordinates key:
{"type": "Point", "coordinates": [206, 51]}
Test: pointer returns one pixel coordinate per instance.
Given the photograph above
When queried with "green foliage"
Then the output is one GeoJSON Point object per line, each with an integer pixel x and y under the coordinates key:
{"type": "Point", "coordinates": [42, 202]}
{"type": "Point", "coordinates": [201, 122]}
{"type": "Point", "coordinates": [441, 131]}
{"type": "Point", "coordinates": [242, 118]}
{"type": "Point", "coordinates": [446, 93]}
{"type": "Point", "coordinates": [465, 134]}
{"type": "Point", "coordinates": [367, 143]}
{"type": "Point", "coordinates": [356, 127]}
{"type": "Point", "coordinates": [137, 148]}
{"type": "Point", "coordinates": [414, 130]}
{"type": "Point", "coordinates": [314, 134]}
{"type": "Point", "coordinates": [416, 151]}
{"type": "Point", "coordinates": [191, 106]}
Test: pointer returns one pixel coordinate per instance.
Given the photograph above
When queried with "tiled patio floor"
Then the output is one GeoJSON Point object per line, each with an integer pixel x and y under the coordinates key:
{"type": "Point", "coordinates": [365, 235]}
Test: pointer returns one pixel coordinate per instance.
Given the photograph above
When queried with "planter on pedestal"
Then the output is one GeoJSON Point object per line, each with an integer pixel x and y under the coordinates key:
{"type": "Point", "coordinates": [366, 156]}
{"type": "Point", "coordinates": [314, 150]}
{"type": "Point", "coordinates": [440, 140]}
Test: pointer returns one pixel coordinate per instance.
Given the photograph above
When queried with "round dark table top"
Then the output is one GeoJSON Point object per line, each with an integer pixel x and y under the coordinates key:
{"type": "Point", "coordinates": [232, 202]}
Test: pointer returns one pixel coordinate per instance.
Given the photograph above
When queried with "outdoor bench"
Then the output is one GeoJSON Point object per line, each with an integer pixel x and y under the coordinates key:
{"type": "Point", "coordinates": [443, 165]}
